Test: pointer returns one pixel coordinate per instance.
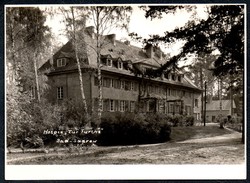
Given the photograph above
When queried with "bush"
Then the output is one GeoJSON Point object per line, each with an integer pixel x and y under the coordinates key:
{"type": "Point", "coordinates": [179, 120]}
{"type": "Point", "coordinates": [189, 120]}
{"type": "Point", "coordinates": [130, 129]}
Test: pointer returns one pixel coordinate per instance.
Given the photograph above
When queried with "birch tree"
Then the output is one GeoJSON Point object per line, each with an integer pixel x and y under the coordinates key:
{"type": "Point", "coordinates": [75, 20]}
{"type": "Point", "coordinates": [25, 36]}
{"type": "Point", "coordinates": [106, 19]}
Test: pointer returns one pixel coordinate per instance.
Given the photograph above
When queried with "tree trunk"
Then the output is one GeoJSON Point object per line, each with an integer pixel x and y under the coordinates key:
{"type": "Point", "coordinates": [79, 67]}
{"type": "Point", "coordinates": [201, 85]}
{"type": "Point", "coordinates": [99, 76]}
{"type": "Point", "coordinates": [36, 77]}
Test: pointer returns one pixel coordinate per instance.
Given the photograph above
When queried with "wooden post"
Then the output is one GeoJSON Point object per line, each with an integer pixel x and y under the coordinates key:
{"type": "Point", "coordinates": [205, 103]}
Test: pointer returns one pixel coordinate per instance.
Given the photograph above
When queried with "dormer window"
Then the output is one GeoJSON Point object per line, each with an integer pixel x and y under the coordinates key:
{"type": "Point", "coordinates": [179, 78]}
{"type": "Point", "coordinates": [109, 62]}
{"type": "Point", "coordinates": [173, 77]}
{"type": "Point", "coordinates": [166, 75]}
{"type": "Point", "coordinates": [61, 62]}
{"type": "Point", "coordinates": [120, 65]}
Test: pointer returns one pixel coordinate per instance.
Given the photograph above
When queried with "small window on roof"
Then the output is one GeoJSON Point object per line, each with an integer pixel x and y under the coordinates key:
{"type": "Point", "coordinates": [109, 62]}
{"type": "Point", "coordinates": [61, 62]}
{"type": "Point", "coordinates": [173, 77]}
{"type": "Point", "coordinates": [120, 64]}
{"type": "Point", "coordinates": [179, 78]}
{"type": "Point", "coordinates": [166, 75]}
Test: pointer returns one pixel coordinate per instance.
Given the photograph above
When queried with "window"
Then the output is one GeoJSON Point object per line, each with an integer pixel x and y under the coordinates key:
{"type": "Point", "coordinates": [61, 62]}
{"type": "Point", "coordinates": [126, 105]}
{"type": "Point", "coordinates": [132, 85]}
{"type": "Point", "coordinates": [179, 78]}
{"type": "Point", "coordinates": [112, 83]}
{"type": "Point", "coordinates": [177, 93]}
{"type": "Point", "coordinates": [109, 62]}
{"type": "Point", "coordinates": [106, 82]}
{"type": "Point", "coordinates": [171, 108]}
{"type": "Point", "coordinates": [135, 86]}
{"type": "Point", "coordinates": [117, 83]}
{"type": "Point", "coordinates": [169, 91]}
{"type": "Point", "coordinates": [60, 92]}
{"type": "Point", "coordinates": [96, 82]}
{"type": "Point", "coordinates": [127, 85]}
{"type": "Point", "coordinates": [111, 105]}
{"type": "Point", "coordinates": [116, 105]}
{"type": "Point", "coordinates": [152, 106]}
{"type": "Point", "coordinates": [183, 93]}
{"type": "Point", "coordinates": [188, 110]}
{"type": "Point", "coordinates": [120, 65]}
{"type": "Point", "coordinates": [173, 92]}
{"type": "Point", "coordinates": [122, 84]}
{"type": "Point", "coordinates": [161, 106]}
{"type": "Point", "coordinates": [177, 109]}
{"type": "Point", "coordinates": [105, 105]}
{"type": "Point", "coordinates": [196, 102]}
{"type": "Point", "coordinates": [122, 105]}
{"type": "Point", "coordinates": [173, 77]}
{"type": "Point", "coordinates": [151, 89]}
{"type": "Point", "coordinates": [132, 106]}
{"type": "Point", "coordinates": [166, 75]}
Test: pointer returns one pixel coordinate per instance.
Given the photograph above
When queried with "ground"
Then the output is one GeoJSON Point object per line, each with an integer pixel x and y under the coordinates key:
{"type": "Point", "coordinates": [198, 145]}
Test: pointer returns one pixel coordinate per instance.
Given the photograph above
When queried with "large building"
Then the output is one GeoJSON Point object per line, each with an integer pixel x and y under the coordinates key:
{"type": "Point", "coordinates": [124, 87]}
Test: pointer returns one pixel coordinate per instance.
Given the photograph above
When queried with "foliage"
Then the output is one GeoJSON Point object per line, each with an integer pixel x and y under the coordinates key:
{"type": "Point", "coordinates": [224, 24]}
{"type": "Point", "coordinates": [26, 39]}
{"type": "Point", "coordinates": [34, 141]}
{"type": "Point", "coordinates": [25, 35]}
{"type": "Point", "coordinates": [130, 128]}
{"type": "Point", "coordinates": [180, 120]}
{"type": "Point", "coordinates": [106, 18]}
{"type": "Point", "coordinates": [189, 121]}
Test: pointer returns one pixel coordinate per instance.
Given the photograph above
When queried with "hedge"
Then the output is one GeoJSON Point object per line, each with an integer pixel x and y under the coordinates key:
{"type": "Point", "coordinates": [131, 129]}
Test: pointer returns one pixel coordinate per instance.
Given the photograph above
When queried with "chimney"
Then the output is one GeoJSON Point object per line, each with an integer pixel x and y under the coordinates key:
{"type": "Point", "coordinates": [111, 38]}
{"type": "Point", "coordinates": [127, 42]}
{"type": "Point", "coordinates": [90, 30]}
{"type": "Point", "coordinates": [149, 50]}
{"type": "Point", "coordinates": [159, 53]}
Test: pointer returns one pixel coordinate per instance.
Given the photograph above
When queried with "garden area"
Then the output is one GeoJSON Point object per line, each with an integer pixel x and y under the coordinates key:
{"type": "Point", "coordinates": [70, 128]}
{"type": "Point", "coordinates": [128, 138]}
{"type": "Point", "coordinates": [188, 145]}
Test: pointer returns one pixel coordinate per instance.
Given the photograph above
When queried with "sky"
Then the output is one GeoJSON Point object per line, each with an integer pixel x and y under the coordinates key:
{"type": "Point", "coordinates": [142, 26]}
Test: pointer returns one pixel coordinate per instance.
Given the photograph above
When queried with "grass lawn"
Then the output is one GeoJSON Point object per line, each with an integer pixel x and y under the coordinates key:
{"type": "Point", "coordinates": [196, 132]}
{"type": "Point", "coordinates": [175, 151]}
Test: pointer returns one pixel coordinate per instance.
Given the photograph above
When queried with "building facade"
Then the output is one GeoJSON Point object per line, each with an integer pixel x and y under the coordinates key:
{"type": "Point", "coordinates": [214, 108]}
{"type": "Point", "coordinates": [124, 86]}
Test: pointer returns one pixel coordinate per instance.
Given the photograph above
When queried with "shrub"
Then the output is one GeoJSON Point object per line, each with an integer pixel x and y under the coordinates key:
{"type": "Point", "coordinates": [34, 142]}
{"type": "Point", "coordinates": [130, 129]}
{"type": "Point", "coordinates": [189, 120]}
{"type": "Point", "coordinates": [177, 120]}
{"type": "Point", "coordinates": [180, 120]}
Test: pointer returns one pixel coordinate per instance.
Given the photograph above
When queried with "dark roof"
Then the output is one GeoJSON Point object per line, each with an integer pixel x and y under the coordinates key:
{"type": "Point", "coordinates": [115, 50]}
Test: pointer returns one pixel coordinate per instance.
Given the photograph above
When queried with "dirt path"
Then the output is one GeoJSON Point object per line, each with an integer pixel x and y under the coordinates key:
{"type": "Point", "coordinates": [221, 138]}
{"type": "Point", "coordinates": [223, 149]}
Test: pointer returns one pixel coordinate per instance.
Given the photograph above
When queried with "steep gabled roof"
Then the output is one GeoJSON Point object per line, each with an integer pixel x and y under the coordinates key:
{"type": "Point", "coordinates": [114, 49]}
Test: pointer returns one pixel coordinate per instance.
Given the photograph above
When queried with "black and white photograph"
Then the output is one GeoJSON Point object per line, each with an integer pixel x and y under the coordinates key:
{"type": "Point", "coordinates": [125, 91]}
